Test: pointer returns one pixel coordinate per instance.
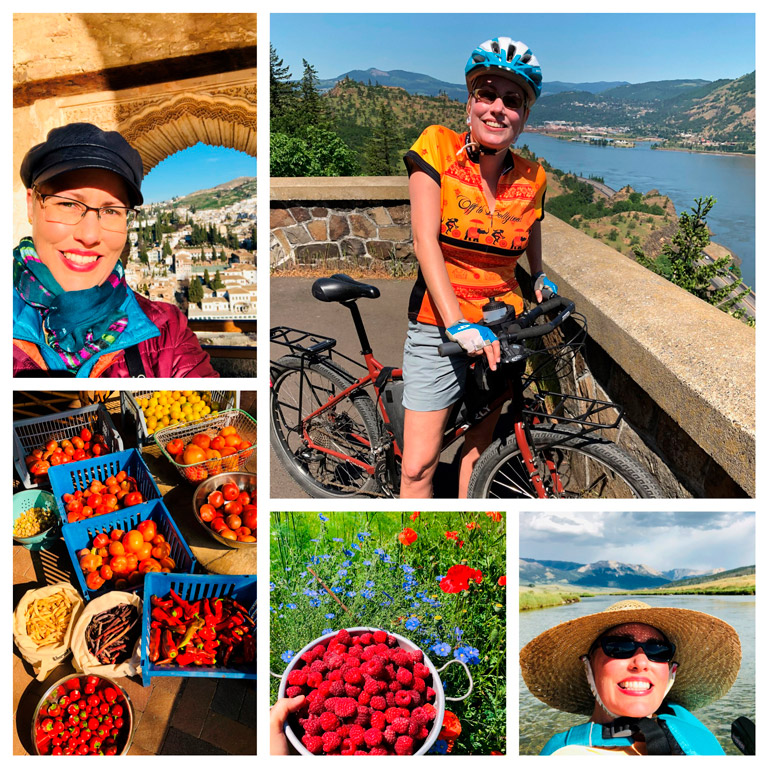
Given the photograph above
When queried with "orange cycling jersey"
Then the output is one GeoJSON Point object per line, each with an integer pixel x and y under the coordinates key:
{"type": "Point", "coordinates": [480, 247]}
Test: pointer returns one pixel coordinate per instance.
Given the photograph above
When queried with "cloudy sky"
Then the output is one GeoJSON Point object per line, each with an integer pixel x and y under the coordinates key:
{"type": "Point", "coordinates": [662, 540]}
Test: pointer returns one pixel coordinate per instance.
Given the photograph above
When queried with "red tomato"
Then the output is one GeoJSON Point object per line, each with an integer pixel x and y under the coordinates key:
{"type": "Point", "coordinates": [106, 572]}
{"type": "Point", "coordinates": [75, 506]}
{"type": "Point", "coordinates": [207, 513]}
{"type": "Point", "coordinates": [234, 522]}
{"type": "Point", "coordinates": [216, 499]}
{"type": "Point", "coordinates": [77, 443]}
{"type": "Point", "coordinates": [101, 540]}
{"type": "Point", "coordinates": [149, 565]}
{"type": "Point", "coordinates": [244, 498]}
{"type": "Point", "coordinates": [144, 552]}
{"type": "Point", "coordinates": [132, 499]}
{"type": "Point", "coordinates": [218, 524]}
{"type": "Point", "coordinates": [98, 449]}
{"type": "Point", "coordinates": [117, 534]}
{"type": "Point", "coordinates": [175, 447]}
{"type": "Point", "coordinates": [230, 491]}
{"type": "Point", "coordinates": [119, 565]}
{"type": "Point", "coordinates": [94, 580]}
{"type": "Point", "coordinates": [233, 508]}
{"type": "Point", "coordinates": [116, 548]}
{"type": "Point", "coordinates": [249, 516]}
{"type": "Point", "coordinates": [86, 434]}
{"type": "Point", "coordinates": [159, 539]}
{"type": "Point", "coordinates": [132, 562]}
{"type": "Point", "coordinates": [148, 529]}
{"type": "Point", "coordinates": [218, 443]}
{"type": "Point", "coordinates": [202, 440]}
{"type": "Point", "coordinates": [227, 533]}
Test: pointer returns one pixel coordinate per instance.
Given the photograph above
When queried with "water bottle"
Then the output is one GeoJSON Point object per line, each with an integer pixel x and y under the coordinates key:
{"type": "Point", "coordinates": [495, 310]}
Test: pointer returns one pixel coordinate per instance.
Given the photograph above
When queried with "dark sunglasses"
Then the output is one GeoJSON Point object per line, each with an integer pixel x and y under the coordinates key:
{"type": "Point", "coordinates": [626, 647]}
{"type": "Point", "coordinates": [511, 100]}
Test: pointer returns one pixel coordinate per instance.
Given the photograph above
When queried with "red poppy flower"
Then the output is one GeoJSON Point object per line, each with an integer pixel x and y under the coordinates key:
{"type": "Point", "coordinates": [495, 516]}
{"type": "Point", "coordinates": [451, 535]}
{"type": "Point", "coordinates": [414, 515]}
{"type": "Point", "coordinates": [407, 536]}
{"type": "Point", "coordinates": [451, 726]}
{"type": "Point", "coordinates": [502, 582]}
{"type": "Point", "coordinates": [458, 577]}
{"type": "Point", "coordinates": [471, 526]}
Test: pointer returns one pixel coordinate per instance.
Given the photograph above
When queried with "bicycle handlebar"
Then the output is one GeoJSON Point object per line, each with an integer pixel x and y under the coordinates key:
{"type": "Point", "coordinates": [522, 327]}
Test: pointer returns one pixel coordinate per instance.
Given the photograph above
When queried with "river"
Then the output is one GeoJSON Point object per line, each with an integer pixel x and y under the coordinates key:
{"type": "Point", "coordinates": [682, 176]}
{"type": "Point", "coordinates": [538, 722]}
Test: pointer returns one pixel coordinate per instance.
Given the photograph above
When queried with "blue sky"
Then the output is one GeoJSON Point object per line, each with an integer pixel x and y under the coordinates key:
{"type": "Point", "coordinates": [662, 540]}
{"type": "Point", "coordinates": [199, 167]}
{"type": "Point", "coordinates": [583, 47]}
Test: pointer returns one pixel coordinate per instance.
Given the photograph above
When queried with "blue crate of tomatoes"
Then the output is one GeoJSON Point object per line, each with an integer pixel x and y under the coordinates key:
{"type": "Point", "coordinates": [101, 486]}
{"type": "Point", "coordinates": [198, 626]}
{"type": "Point", "coordinates": [118, 550]}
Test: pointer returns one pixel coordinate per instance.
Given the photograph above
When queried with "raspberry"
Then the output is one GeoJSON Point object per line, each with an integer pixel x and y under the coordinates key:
{"type": "Point", "coordinates": [430, 711]}
{"type": "Point", "coordinates": [416, 656]}
{"type": "Point", "coordinates": [314, 679]}
{"type": "Point", "coordinates": [378, 702]}
{"type": "Point", "coordinates": [353, 676]}
{"type": "Point", "coordinates": [403, 746]}
{"type": "Point", "coordinates": [430, 693]}
{"type": "Point", "coordinates": [391, 641]}
{"type": "Point", "coordinates": [317, 706]}
{"type": "Point", "coordinates": [390, 698]}
{"type": "Point", "coordinates": [292, 691]}
{"type": "Point", "coordinates": [345, 707]}
{"type": "Point", "coordinates": [383, 650]}
{"type": "Point", "coordinates": [347, 747]}
{"type": "Point", "coordinates": [329, 721]}
{"type": "Point", "coordinates": [333, 675]}
{"type": "Point", "coordinates": [330, 703]}
{"type": "Point", "coordinates": [318, 665]}
{"type": "Point", "coordinates": [400, 725]}
{"type": "Point", "coordinates": [343, 731]}
{"type": "Point", "coordinates": [378, 720]}
{"type": "Point", "coordinates": [391, 671]}
{"type": "Point", "coordinates": [373, 737]}
{"type": "Point", "coordinates": [314, 744]}
{"type": "Point", "coordinates": [337, 688]}
{"type": "Point", "coordinates": [416, 698]}
{"type": "Point", "coordinates": [363, 716]}
{"type": "Point", "coordinates": [404, 676]}
{"type": "Point", "coordinates": [312, 726]}
{"type": "Point", "coordinates": [419, 684]}
{"type": "Point", "coordinates": [380, 636]}
{"type": "Point", "coordinates": [344, 637]}
{"type": "Point", "coordinates": [419, 670]}
{"type": "Point", "coordinates": [403, 698]}
{"type": "Point", "coordinates": [324, 688]}
{"type": "Point", "coordinates": [391, 714]}
{"type": "Point", "coordinates": [297, 677]}
{"type": "Point", "coordinates": [419, 716]}
{"type": "Point", "coordinates": [374, 667]}
{"type": "Point", "coordinates": [366, 638]}
{"type": "Point", "coordinates": [356, 734]}
{"type": "Point", "coordinates": [309, 656]}
{"type": "Point", "coordinates": [402, 658]}
{"type": "Point", "coordinates": [414, 728]}
{"type": "Point", "coordinates": [390, 736]}
{"type": "Point", "coordinates": [371, 686]}
{"type": "Point", "coordinates": [395, 685]}
{"type": "Point", "coordinates": [332, 741]}
{"type": "Point", "coordinates": [378, 751]}
{"type": "Point", "coordinates": [356, 651]}
{"type": "Point", "coordinates": [334, 661]}
{"type": "Point", "coordinates": [352, 690]}
{"type": "Point", "coordinates": [368, 653]}
{"type": "Point", "coordinates": [364, 698]}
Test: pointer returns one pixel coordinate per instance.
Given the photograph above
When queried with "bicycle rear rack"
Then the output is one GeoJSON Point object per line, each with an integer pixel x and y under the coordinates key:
{"type": "Point", "coordinates": [308, 345]}
{"type": "Point", "coordinates": [590, 411]}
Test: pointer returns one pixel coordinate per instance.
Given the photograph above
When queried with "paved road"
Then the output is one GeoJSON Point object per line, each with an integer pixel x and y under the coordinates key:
{"type": "Point", "coordinates": [292, 304]}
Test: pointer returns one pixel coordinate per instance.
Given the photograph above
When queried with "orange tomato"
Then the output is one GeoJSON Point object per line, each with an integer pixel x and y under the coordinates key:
{"type": "Point", "coordinates": [224, 431]}
{"type": "Point", "coordinates": [94, 580]}
{"type": "Point", "coordinates": [148, 529]}
{"type": "Point", "coordinates": [228, 533]}
{"type": "Point", "coordinates": [202, 440]}
{"type": "Point", "coordinates": [192, 454]}
{"type": "Point", "coordinates": [233, 441]}
{"type": "Point", "coordinates": [149, 565]}
{"type": "Point", "coordinates": [218, 443]}
{"type": "Point", "coordinates": [246, 538]}
{"type": "Point", "coordinates": [145, 551]}
{"type": "Point", "coordinates": [89, 563]}
{"type": "Point", "coordinates": [116, 549]}
{"type": "Point", "coordinates": [133, 541]}
{"type": "Point", "coordinates": [132, 562]}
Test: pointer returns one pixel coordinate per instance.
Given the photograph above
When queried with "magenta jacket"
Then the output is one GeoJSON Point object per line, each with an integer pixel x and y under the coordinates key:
{"type": "Point", "coordinates": [175, 353]}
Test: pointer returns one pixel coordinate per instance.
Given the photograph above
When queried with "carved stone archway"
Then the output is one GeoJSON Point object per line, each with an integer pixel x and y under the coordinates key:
{"type": "Point", "coordinates": [170, 82]}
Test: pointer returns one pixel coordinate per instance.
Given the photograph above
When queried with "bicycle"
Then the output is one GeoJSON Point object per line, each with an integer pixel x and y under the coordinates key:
{"type": "Point", "coordinates": [341, 435]}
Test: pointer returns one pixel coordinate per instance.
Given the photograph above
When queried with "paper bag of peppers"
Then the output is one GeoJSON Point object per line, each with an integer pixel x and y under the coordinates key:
{"type": "Point", "coordinates": [207, 632]}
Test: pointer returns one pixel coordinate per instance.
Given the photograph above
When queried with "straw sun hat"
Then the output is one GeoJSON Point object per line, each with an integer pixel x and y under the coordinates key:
{"type": "Point", "coordinates": [708, 652]}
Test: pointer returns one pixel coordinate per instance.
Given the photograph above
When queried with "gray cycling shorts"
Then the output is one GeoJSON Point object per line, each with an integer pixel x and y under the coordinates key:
{"type": "Point", "coordinates": [431, 382]}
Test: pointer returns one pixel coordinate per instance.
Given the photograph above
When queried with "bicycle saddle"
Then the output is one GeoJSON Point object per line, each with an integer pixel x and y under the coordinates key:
{"type": "Point", "coordinates": [342, 288]}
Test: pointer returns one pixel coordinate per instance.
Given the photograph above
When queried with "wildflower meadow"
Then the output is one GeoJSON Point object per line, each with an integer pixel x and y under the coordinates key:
{"type": "Point", "coordinates": [436, 578]}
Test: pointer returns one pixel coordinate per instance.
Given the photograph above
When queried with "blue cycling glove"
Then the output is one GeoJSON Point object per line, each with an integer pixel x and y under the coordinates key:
{"type": "Point", "coordinates": [541, 282]}
{"type": "Point", "coordinates": [471, 336]}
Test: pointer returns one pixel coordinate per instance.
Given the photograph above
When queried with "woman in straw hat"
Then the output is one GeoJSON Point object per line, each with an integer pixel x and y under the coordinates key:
{"type": "Point", "coordinates": [636, 671]}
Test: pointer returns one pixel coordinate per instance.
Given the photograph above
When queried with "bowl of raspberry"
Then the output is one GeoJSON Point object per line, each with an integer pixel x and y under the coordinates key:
{"type": "Point", "coordinates": [368, 692]}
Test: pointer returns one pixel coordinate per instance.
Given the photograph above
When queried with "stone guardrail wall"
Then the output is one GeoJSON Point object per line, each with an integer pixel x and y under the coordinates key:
{"type": "Point", "coordinates": [683, 370]}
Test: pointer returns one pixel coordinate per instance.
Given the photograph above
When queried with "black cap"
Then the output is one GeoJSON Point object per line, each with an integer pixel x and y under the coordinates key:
{"type": "Point", "coordinates": [83, 145]}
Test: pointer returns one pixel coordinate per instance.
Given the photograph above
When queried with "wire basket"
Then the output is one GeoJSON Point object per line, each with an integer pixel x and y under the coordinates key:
{"type": "Point", "coordinates": [129, 404]}
{"type": "Point", "coordinates": [192, 588]}
{"type": "Point", "coordinates": [554, 353]}
{"type": "Point", "coordinates": [243, 422]}
{"type": "Point", "coordinates": [29, 434]}
{"type": "Point", "coordinates": [77, 536]}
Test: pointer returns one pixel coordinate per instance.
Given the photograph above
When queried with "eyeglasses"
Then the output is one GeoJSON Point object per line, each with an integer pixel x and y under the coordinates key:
{"type": "Point", "coordinates": [511, 100]}
{"type": "Point", "coordinates": [64, 210]}
{"type": "Point", "coordinates": [626, 648]}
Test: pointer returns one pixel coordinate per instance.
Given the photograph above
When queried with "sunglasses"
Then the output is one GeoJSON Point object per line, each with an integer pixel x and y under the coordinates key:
{"type": "Point", "coordinates": [626, 647]}
{"type": "Point", "coordinates": [511, 100]}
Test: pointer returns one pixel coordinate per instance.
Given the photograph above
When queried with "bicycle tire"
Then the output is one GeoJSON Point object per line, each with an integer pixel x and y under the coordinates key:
{"type": "Point", "coordinates": [587, 467]}
{"type": "Point", "coordinates": [351, 427]}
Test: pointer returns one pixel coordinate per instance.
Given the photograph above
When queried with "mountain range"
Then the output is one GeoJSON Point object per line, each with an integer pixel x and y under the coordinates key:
{"type": "Point", "coordinates": [603, 573]}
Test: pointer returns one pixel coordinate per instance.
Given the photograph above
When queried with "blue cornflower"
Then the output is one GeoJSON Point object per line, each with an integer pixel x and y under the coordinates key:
{"type": "Point", "coordinates": [348, 553]}
{"type": "Point", "coordinates": [351, 594]}
{"type": "Point", "coordinates": [356, 546]}
{"type": "Point", "coordinates": [310, 592]}
{"type": "Point", "coordinates": [323, 517]}
{"type": "Point", "coordinates": [336, 538]}
{"type": "Point", "coordinates": [315, 541]}
{"type": "Point", "coordinates": [379, 552]}
{"type": "Point", "coordinates": [370, 583]}
{"type": "Point", "coordinates": [440, 747]}
{"type": "Point", "coordinates": [368, 563]}
{"type": "Point", "coordinates": [341, 572]}
{"type": "Point", "coordinates": [327, 631]}
{"type": "Point", "coordinates": [467, 654]}
{"type": "Point", "coordinates": [459, 632]}
{"type": "Point", "coordinates": [337, 590]}
{"type": "Point", "coordinates": [287, 656]}
{"type": "Point", "coordinates": [362, 536]}
{"type": "Point", "coordinates": [272, 586]}
{"type": "Point", "coordinates": [412, 623]}
{"type": "Point", "coordinates": [287, 567]}
{"type": "Point", "coordinates": [367, 594]}
{"type": "Point", "coordinates": [346, 564]}
{"type": "Point", "coordinates": [314, 602]}
{"type": "Point", "coordinates": [330, 615]}
{"type": "Point", "coordinates": [292, 606]}
{"type": "Point", "coordinates": [407, 568]}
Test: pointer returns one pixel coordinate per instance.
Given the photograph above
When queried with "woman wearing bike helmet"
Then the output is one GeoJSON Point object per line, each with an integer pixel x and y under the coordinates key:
{"type": "Point", "coordinates": [475, 209]}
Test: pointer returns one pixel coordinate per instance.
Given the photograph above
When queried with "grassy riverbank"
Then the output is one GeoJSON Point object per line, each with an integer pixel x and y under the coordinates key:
{"type": "Point", "coordinates": [533, 599]}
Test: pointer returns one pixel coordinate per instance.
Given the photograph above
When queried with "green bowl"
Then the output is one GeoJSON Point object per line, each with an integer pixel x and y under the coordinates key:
{"type": "Point", "coordinates": [27, 500]}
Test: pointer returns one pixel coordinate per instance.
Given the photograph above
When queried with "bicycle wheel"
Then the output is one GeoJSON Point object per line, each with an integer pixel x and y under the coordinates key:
{"type": "Point", "coordinates": [571, 467]}
{"type": "Point", "coordinates": [349, 428]}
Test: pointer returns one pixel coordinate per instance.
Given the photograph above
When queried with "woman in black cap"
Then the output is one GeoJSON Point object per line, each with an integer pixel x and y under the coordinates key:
{"type": "Point", "coordinates": [73, 312]}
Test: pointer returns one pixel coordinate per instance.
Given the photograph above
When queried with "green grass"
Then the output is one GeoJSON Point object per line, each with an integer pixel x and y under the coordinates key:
{"type": "Point", "coordinates": [373, 580]}
{"type": "Point", "coordinates": [530, 601]}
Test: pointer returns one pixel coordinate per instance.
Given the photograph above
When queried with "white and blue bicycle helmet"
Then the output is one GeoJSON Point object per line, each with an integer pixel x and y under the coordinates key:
{"type": "Point", "coordinates": [507, 58]}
